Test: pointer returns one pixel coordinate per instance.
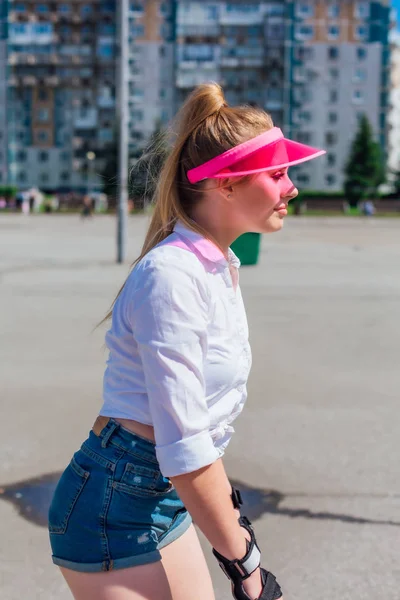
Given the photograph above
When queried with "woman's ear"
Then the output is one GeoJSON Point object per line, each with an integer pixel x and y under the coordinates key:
{"type": "Point", "coordinates": [227, 191]}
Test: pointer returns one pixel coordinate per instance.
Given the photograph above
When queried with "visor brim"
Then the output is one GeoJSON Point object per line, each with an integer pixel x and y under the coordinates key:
{"type": "Point", "coordinates": [278, 155]}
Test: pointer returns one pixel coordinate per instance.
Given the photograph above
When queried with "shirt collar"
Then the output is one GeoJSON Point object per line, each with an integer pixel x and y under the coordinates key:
{"type": "Point", "coordinates": [206, 247]}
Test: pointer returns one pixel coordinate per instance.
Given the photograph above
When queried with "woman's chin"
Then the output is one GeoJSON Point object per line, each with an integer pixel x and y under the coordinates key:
{"type": "Point", "coordinates": [275, 223]}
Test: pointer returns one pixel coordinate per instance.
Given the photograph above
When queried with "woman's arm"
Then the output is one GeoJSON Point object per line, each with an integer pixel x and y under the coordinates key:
{"type": "Point", "coordinates": [206, 495]}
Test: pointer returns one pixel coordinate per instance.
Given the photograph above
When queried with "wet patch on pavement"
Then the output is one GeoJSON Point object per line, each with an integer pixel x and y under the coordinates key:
{"type": "Point", "coordinates": [32, 499]}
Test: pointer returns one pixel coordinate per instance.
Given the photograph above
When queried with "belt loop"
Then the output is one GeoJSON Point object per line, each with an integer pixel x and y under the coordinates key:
{"type": "Point", "coordinates": [106, 437]}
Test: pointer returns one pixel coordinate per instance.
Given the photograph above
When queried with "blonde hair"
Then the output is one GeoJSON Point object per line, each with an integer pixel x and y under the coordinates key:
{"type": "Point", "coordinates": [205, 127]}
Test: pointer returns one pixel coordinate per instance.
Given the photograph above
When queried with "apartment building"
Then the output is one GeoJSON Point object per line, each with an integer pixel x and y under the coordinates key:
{"type": "Point", "coordinates": [338, 69]}
{"type": "Point", "coordinates": [314, 65]}
{"type": "Point", "coordinates": [239, 44]}
{"type": "Point", "coordinates": [60, 100]}
{"type": "Point", "coordinates": [394, 114]}
{"type": "Point", "coordinates": [151, 68]}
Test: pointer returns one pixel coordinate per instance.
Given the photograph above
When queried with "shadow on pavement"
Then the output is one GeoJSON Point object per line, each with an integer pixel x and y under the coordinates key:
{"type": "Point", "coordinates": [32, 498]}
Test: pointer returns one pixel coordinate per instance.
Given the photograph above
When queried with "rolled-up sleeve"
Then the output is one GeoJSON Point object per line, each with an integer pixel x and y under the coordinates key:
{"type": "Point", "coordinates": [168, 312]}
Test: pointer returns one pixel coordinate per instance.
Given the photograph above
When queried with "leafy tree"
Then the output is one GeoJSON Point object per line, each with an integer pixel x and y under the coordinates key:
{"type": "Point", "coordinates": [396, 183]}
{"type": "Point", "coordinates": [364, 171]}
{"type": "Point", "coordinates": [147, 167]}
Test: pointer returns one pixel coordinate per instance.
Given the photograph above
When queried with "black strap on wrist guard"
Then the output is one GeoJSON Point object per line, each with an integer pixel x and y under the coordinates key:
{"type": "Point", "coordinates": [236, 498]}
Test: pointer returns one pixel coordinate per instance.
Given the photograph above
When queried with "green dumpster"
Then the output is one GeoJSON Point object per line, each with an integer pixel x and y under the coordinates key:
{"type": "Point", "coordinates": [247, 248]}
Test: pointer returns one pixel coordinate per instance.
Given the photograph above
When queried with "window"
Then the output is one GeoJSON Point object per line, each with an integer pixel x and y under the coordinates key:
{"type": "Point", "coordinates": [21, 156]}
{"type": "Point", "coordinates": [361, 10]}
{"type": "Point", "coordinates": [358, 96]}
{"type": "Point", "coordinates": [333, 52]}
{"type": "Point", "coordinates": [161, 51]}
{"type": "Point", "coordinates": [334, 10]}
{"type": "Point", "coordinates": [137, 115]}
{"type": "Point", "coordinates": [43, 136]}
{"type": "Point", "coordinates": [243, 8]}
{"type": "Point", "coordinates": [360, 74]}
{"type": "Point", "coordinates": [212, 12]}
{"type": "Point", "coordinates": [86, 9]}
{"type": "Point", "coordinates": [332, 118]}
{"type": "Point", "coordinates": [65, 156]}
{"type": "Point", "coordinates": [106, 29]}
{"type": "Point", "coordinates": [64, 9]}
{"type": "Point", "coordinates": [304, 32]}
{"type": "Point", "coordinates": [333, 96]}
{"type": "Point", "coordinates": [136, 30]}
{"type": "Point", "coordinates": [361, 32]}
{"type": "Point", "coordinates": [331, 138]}
{"type": "Point", "coordinates": [299, 74]}
{"type": "Point", "coordinates": [331, 159]}
{"type": "Point", "coordinates": [43, 157]}
{"type": "Point", "coordinates": [21, 176]}
{"type": "Point", "coordinates": [65, 176]}
{"type": "Point", "coordinates": [303, 178]}
{"type": "Point", "coordinates": [42, 8]}
{"type": "Point", "coordinates": [361, 53]}
{"type": "Point", "coordinates": [65, 29]}
{"type": "Point", "coordinates": [302, 94]}
{"type": "Point", "coordinates": [135, 92]}
{"type": "Point", "coordinates": [304, 10]}
{"type": "Point", "coordinates": [330, 179]}
{"type": "Point", "coordinates": [105, 48]}
{"type": "Point", "coordinates": [304, 137]}
{"type": "Point", "coordinates": [304, 52]}
{"type": "Point", "coordinates": [44, 178]}
{"type": "Point", "coordinates": [43, 115]}
{"type": "Point", "coordinates": [19, 7]}
{"type": "Point", "coordinates": [136, 7]}
{"type": "Point", "coordinates": [333, 73]}
{"type": "Point", "coordinates": [304, 116]}
{"type": "Point", "coordinates": [163, 93]}
{"type": "Point", "coordinates": [333, 32]}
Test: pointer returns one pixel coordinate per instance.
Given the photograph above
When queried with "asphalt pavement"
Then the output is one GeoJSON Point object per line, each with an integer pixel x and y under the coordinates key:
{"type": "Point", "coordinates": [317, 447]}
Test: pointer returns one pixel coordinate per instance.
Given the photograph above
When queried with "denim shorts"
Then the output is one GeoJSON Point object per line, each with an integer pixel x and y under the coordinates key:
{"type": "Point", "coordinates": [112, 507]}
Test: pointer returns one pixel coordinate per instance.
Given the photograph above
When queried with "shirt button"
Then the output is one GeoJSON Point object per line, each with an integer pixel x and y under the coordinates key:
{"type": "Point", "coordinates": [240, 388]}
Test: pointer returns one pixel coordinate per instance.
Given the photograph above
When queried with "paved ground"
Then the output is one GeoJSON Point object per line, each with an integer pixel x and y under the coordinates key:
{"type": "Point", "coordinates": [317, 448]}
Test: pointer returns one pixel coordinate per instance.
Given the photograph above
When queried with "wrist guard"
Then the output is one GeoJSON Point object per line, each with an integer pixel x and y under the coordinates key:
{"type": "Point", "coordinates": [239, 570]}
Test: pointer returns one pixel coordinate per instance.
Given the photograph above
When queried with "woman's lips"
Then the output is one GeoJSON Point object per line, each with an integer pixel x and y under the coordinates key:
{"type": "Point", "coordinates": [281, 209]}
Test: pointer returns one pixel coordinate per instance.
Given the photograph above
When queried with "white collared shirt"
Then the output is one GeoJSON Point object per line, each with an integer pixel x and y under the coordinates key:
{"type": "Point", "coordinates": [179, 356]}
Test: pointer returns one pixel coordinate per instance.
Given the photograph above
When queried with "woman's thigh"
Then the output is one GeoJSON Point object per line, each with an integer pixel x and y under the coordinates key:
{"type": "Point", "coordinates": [182, 574]}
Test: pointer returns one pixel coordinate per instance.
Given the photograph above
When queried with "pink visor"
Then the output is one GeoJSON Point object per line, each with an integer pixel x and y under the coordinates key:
{"type": "Point", "coordinates": [269, 151]}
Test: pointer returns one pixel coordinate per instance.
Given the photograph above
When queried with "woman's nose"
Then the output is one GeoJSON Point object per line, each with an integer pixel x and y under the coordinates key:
{"type": "Point", "coordinates": [291, 193]}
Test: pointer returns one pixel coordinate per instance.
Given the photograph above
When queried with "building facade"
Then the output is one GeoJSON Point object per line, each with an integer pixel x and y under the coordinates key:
{"type": "Point", "coordinates": [338, 69]}
{"type": "Point", "coordinates": [60, 101]}
{"type": "Point", "coordinates": [394, 114]}
{"type": "Point", "coordinates": [239, 44]}
{"type": "Point", "coordinates": [314, 65]}
{"type": "Point", "coordinates": [151, 68]}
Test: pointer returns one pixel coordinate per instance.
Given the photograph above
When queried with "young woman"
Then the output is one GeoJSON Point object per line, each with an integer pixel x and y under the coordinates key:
{"type": "Point", "coordinates": [121, 518]}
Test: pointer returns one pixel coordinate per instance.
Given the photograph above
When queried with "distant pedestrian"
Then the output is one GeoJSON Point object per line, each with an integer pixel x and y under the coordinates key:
{"type": "Point", "coordinates": [87, 206]}
{"type": "Point", "coordinates": [179, 358]}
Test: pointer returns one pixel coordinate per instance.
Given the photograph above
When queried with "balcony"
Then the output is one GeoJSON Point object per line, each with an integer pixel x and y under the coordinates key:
{"type": "Point", "coordinates": [52, 81]}
{"type": "Point", "coordinates": [203, 31]}
{"type": "Point", "coordinates": [234, 62]}
{"type": "Point", "coordinates": [189, 80]}
{"type": "Point", "coordinates": [105, 102]}
{"type": "Point", "coordinates": [29, 80]}
{"type": "Point", "coordinates": [87, 120]}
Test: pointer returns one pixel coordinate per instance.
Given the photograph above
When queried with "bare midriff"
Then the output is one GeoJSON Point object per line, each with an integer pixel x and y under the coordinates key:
{"type": "Point", "coordinates": [145, 431]}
